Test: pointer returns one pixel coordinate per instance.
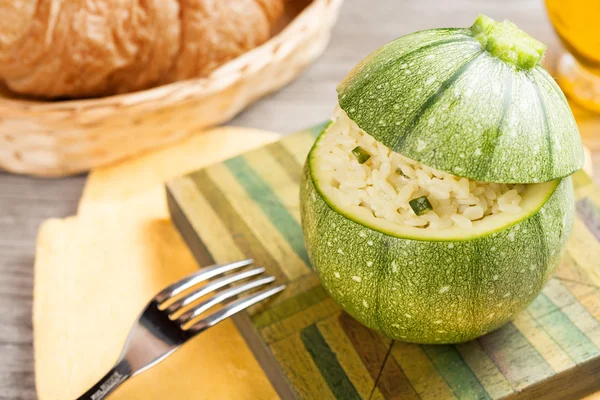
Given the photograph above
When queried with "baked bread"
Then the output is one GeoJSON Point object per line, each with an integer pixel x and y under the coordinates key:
{"type": "Point", "coordinates": [78, 48]}
{"type": "Point", "coordinates": [216, 31]}
{"type": "Point", "coordinates": [89, 48]}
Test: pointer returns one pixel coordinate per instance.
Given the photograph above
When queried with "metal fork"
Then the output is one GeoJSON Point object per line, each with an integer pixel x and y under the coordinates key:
{"type": "Point", "coordinates": [162, 327]}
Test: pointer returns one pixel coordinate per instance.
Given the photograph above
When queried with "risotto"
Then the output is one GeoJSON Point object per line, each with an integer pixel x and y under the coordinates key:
{"type": "Point", "coordinates": [366, 173]}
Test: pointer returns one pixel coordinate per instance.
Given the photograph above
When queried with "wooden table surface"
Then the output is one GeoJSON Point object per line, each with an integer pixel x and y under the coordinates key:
{"type": "Point", "coordinates": [363, 26]}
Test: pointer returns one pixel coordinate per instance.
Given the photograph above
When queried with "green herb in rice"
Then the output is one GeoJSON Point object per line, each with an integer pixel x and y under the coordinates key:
{"type": "Point", "coordinates": [361, 155]}
{"type": "Point", "coordinates": [420, 205]}
{"type": "Point", "coordinates": [399, 172]}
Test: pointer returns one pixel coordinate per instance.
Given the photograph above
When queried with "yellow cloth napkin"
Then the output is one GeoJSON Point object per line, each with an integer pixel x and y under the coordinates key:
{"type": "Point", "coordinates": [96, 271]}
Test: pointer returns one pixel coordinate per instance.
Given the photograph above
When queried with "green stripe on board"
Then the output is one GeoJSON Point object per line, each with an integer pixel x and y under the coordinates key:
{"type": "Point", "coordinates": [515, 357]}
{"type": "Point", "coordinates": [590, 215]}
{"type": "Point", "coordinates": [240, 232]}
{"type": "Point", "coordinates": [455, 372]}
{"type": "Point", "coordinates": [289, 307]}
{"type": "Point", "coordinates": [269, 203]}
{"type": "Point", "coordinates": [327, 363]}
{"type": "Point", "coordinates": [374, 352]}
{"type": "Point", "coordinates": [560, 295]}
{"type": "Point", "coordinates": [286, 160]}
{"type": "Point", "coordinates": [488, 374]}
{"type": "Point", "coordinates": [574, 342]}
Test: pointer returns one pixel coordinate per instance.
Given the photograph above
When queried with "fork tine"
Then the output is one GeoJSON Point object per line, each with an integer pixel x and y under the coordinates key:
{"type": "Point", "coordinates": [200, 276]}
{"type": "Point", "coordinates": [222, 296]}
{"type": "Point", "coordinates": [212, 286]}
{"type": "Point", "coordinates": [233, 308]}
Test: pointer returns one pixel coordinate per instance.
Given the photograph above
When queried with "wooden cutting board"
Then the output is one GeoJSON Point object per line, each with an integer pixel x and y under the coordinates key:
{"type": "Point", "coordinates": [309, 348]}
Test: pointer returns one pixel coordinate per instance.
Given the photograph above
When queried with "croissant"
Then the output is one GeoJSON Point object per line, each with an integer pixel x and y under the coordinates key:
{"type": "Point", "coordinates": [90, 48]}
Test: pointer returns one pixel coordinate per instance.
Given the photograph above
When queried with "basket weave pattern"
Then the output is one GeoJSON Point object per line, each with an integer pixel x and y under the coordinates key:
{"type": "Point", "coordinates": [68, 137]}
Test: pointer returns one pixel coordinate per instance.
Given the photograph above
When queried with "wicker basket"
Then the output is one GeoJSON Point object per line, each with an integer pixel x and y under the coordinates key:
{"type": "Point", "coordinates": [67, 137]}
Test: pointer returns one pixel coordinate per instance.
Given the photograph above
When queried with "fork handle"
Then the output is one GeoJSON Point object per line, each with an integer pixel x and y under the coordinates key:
{"type": "Point", "coordinates": [117, 375]}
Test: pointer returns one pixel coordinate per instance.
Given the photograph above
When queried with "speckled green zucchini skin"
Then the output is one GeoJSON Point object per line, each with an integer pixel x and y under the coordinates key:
{"type": "Point", "coordinates": [438, 97]}
{"type": "Point", "coordinates": [434, 291]}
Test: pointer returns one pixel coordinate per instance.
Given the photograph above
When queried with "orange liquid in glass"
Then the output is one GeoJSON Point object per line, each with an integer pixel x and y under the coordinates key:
{"type": "Point", "coordinates": [577, 22]}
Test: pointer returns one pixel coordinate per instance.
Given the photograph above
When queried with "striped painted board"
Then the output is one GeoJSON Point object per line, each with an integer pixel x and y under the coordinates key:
{"type": "Point", "coordinates": [248, 207]}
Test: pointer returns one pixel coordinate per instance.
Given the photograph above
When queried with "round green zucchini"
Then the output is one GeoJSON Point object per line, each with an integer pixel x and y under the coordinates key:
{"type": "Point", "coordinates": [474, 103]}
{"type": "Point", "coordinates": [435, 285]}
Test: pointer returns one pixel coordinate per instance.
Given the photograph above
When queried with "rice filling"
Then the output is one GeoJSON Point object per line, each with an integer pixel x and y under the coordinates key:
{"type": "Point", "coordinates": [367, 174]}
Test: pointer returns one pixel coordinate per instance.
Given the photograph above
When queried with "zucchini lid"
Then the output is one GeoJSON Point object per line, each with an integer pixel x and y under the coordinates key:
{"type": "Point", "coordinates": [474, 102]}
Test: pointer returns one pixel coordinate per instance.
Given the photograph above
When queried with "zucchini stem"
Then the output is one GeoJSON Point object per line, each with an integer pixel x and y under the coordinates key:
{"type": "Point", "coordinates": [507, 42]}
